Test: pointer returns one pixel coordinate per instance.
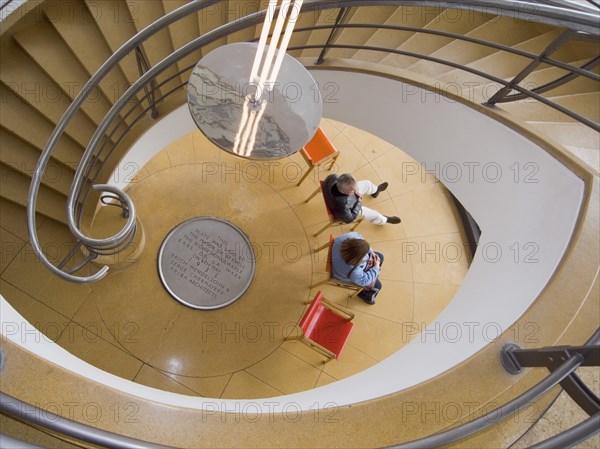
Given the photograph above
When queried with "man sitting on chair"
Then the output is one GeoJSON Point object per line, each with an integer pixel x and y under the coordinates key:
{"type": "Point", "coordinates": [344, 197]}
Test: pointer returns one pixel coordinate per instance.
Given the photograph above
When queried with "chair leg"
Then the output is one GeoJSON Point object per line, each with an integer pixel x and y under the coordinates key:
{"type": "Point", "coordinates": [359, 221]}
{"type": "Point", "coordinates": [321, 248]}
{"type": "Point", "coordinates": [320, 349]}
{"type": "Point", "coordinates": [356, 292]}
{"type": "Point", "coordinates": [296, 334]}
{"type": "Point", "coordinates": [312, 195]}
{"type": "Point", "coordinates": [332, 163]}
{"type": "Point", "coordinates": [310, 169]}
{"type": "Point", "coordinates": [320, 283]}
{"type": "Point", "coordinates": [322, 229]}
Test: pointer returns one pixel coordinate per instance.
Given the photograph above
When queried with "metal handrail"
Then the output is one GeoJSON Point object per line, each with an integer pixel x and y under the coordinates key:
{"type": "Point", "coordinates": [529, 93]}
{"type": "Point", "coordinates": [483, 422]}
{"type": "Point", "coordinates": [550, 14]}
{"type": "Point", "coordinates": [65, 426]}
{"type": "Point", "coordinates": [473, 40]}
{"type": "Point", "coordinates": [341, 18]}
{"type": "Point", "coordinates": [572, 436]}
{"type": "Point", "coordinates": [112, 61]}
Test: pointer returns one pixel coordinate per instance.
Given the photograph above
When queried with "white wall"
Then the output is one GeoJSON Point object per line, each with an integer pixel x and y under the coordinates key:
{"type": "Point", "coordinates": [539, 217]}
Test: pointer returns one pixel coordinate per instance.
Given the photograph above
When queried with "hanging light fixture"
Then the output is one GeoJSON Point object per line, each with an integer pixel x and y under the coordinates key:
{"type": "Point", "coordinates": [255, 100]}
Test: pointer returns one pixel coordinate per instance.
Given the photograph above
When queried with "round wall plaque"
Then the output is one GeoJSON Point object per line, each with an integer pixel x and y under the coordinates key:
{"type": "Point", "coordinates": [206, 263]}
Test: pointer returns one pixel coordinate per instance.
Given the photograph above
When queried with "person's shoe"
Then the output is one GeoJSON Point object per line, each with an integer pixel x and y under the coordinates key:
{"type": "Point", "coordinates": [392, 220]}
{"type": "Point", "coordinates": [369, 301]}
{"type": "Point", "coordinates": [380, 188]}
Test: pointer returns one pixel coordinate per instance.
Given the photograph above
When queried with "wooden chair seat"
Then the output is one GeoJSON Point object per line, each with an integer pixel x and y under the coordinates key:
{"type": "Point", "coordinates": [325, 327]}
{"type": "Point", "coordinates": [318, 151]}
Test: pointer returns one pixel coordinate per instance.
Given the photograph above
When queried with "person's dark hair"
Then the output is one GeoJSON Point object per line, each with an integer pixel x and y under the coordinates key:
{"type": "Point", "coordinates": [344, 181]}
{"type": "Point", "coordinates": [354, 250]}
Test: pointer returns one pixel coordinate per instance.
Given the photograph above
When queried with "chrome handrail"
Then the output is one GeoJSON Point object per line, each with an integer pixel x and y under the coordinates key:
{"type": "Point", "coordinates": [64, 426]}
{"type": "Point", "coordinates": [483, 422]}
{"type": "Point", "coordinates": [550, 14]}
{"type": "Point", "coordinates": [114, 59]}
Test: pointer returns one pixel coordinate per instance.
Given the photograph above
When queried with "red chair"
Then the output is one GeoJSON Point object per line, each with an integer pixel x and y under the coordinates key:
{"type": "Point", "coordinates": [325, 327]}
{"type": "Point", "coordinates": [332, 219]}
{"type": "Point", "coordinates": [330, 279]}
{"type": "Point", "coordinates": [318, 151]}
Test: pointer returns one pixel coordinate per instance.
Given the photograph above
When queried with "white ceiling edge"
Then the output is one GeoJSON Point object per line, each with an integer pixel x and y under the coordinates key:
{"type": "Point", "coordinates": [510, 210]}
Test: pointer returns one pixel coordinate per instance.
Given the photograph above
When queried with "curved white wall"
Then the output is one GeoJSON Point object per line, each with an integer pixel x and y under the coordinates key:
{"type": "Point", "coordinates": [536, 210]}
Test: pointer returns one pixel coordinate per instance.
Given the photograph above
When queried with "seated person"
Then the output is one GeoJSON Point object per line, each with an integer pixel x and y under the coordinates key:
{"type": "Point", "coordinates": [353, 261]}
{"type": "Point", "coordinates": [344, 197]}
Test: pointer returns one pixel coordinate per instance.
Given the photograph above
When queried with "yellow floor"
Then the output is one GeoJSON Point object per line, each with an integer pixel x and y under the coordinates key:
{"type": "Point", "coordinates": [128, 324]}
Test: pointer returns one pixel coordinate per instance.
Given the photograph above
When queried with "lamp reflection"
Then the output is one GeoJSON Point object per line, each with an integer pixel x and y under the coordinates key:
{"type": "Point", "coordinates": [245, 138]}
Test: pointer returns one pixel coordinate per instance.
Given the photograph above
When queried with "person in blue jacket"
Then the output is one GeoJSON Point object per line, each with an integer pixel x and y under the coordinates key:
{"type": "Point", "coordinates": [353, 261]}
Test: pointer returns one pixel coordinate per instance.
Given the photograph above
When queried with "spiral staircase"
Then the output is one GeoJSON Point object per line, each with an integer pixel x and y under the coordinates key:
{"type": "Point", "coordinates": [536, 56]}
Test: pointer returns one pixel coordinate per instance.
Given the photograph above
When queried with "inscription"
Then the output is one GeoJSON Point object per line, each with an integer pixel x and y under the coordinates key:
{"type": "Point", "coordinates": [206, 263]}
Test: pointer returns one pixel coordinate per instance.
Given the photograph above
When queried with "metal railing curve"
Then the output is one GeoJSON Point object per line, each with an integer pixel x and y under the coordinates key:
{"type": "Point", "coordinates": [64, 426]}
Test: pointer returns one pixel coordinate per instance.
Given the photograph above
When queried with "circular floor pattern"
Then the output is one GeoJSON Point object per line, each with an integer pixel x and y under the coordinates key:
{"type": "Point", "coordinates": [175, 338]}
{"type": "Point", "coordinates": [239, 351]}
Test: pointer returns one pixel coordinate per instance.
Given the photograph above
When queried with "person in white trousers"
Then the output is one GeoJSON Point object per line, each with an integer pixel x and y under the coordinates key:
{"type": "Point", "coordinates": [344, 197]}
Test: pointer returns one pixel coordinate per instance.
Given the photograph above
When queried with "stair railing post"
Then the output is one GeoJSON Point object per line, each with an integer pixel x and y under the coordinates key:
{"type": "Point", "coordinates": [341, 18]}
{"type": "Point", "coordinates": [514, 360]}
{"type": "Point", "coordinates": [551, 48]}
{"type": "Point", "coordinates": [143, 67]}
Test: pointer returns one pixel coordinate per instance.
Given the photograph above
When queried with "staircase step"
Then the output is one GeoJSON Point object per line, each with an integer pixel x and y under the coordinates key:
{"type": "Point", "coordinates": [574, 134]}
{"type": "Point", "coordinates": [74, 23]}
{"type": "Point", "coordinates": [502, 64]}
{"type": "Point", "coordinates": [575, 50]}
{"type": "Point", "coordinates": [547, 73]}
{"type": "Point", "coordinates": [531, 110]}
{"type": "Point", "coordinates": [586, 104]}
{"type": "Point", "coordinates": [26, 80]}
{"type": "Point", "coordinates": [358, 36]}
{"type": "Point", "coordinates": [427, 44]}
{"type": "Point", "coordinates": [210, 18]}
{"type": "Point", "coordinates": [23, 158]}
{"type": "Point", "coordinates": [402, 16]}
{"type": "Point", "coordinates": [115, 23]}
{"type": "Point", "coordinates": [48, 50]}
{"type": "Point", "coordinates": [183, 31]}
{"type": "Point", "coordinates": [240, 8]}
{"type": "Point", "coordinates": [306, 19]}
{"type": "Point", "coordinates": [591, 156]}
{"type": "Point", "coordinates": [13, 218]}
{"type": "Point", "coordinates": [22, 120]}
{"type": "Point", "coordinates": [479, 89]}
{"type": "Point", "coordinates": [505, 31]}
{"type": "Point", "coordinates": [159, 45]}
{"type": "Point", "coordinates": [319, 37]}
{"type": "Point", "coordinates": [579, 139]}
{"type": "Point", "coordinates": [15, 188]}
{"type": "Point", "coordinates": [578, 85]}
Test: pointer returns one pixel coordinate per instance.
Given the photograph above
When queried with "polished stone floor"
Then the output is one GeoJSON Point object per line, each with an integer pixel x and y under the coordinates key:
{"type": "Point", "coordinates": [128, 324]}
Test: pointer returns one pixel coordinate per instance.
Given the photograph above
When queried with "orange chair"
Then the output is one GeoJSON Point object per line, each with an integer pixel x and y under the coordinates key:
{"type": "Point", "coordinates": [318, 151]}
{"type": "Point", "coordinates": [330, 279]}
{"type": "Point", "coordinates": [325, 327]}
{"type": "Point", "coordinates": [332, 219]}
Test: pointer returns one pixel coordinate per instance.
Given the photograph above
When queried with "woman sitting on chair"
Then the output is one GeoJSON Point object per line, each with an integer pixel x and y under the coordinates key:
{"type": "Point", "coordinates": [353, 261]}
